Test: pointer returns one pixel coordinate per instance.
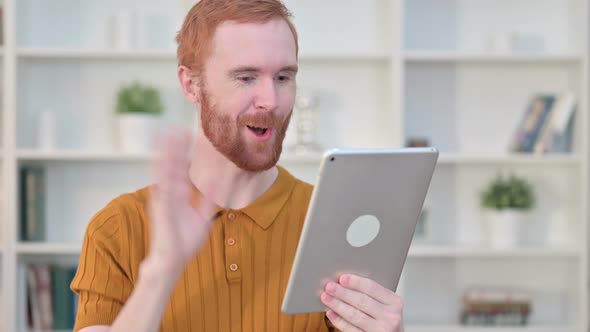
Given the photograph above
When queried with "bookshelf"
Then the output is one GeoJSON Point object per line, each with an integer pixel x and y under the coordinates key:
{"type": "Point", "coordinates": [406, 69]}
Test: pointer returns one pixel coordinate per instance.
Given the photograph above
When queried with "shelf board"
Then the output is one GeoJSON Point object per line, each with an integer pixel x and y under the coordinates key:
{"type": "Point", "coordinates": [114, 156]}
{"type": "Point", "coordinates": [104, 54]}
{"type": "Point", "coordinates": [442, 56]}
{"type": "Point", "coordinates": [38, 248]}
{"type": "Point", "coordinates": [73, 155]}
{"type": "Point", "coordinates": [113, 54]}
{"type": "Point", "coordinates": [383, 56]}
{"type": "Point", "coordinates": [425, 251]}
{"type": "Point", "coordinates": [444, 158]}
{"type": "Point", "coordinates": [459, 328]}
{"type": "Point", "coordinates": [548, 159]}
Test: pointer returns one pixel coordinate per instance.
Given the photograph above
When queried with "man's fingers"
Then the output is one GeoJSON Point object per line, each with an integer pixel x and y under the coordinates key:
{"type": "Point", "coordinates": [371, 288]}
{"type": "Point", "coordinates": [340, 323]}
{"type": "Point", "coordinates": [349, 318]}
{"type": "Point", "coordinates": [361, 301]}
{"type": "Point", "coordinates": [172, 166]}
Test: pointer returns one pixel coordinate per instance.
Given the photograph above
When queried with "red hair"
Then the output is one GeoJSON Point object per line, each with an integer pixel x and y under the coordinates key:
{"type": "Point", "coordinates": [194, 38]}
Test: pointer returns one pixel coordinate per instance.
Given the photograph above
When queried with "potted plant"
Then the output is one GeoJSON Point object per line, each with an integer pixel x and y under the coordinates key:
{"type": "Point", "coordinates": [507, 201]}
{"type": "Point", "coordinates": [138, 110]}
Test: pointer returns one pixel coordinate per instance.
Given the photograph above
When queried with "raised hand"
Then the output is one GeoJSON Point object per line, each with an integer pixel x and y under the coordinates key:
{"type": "Point", "coordinates": [178, 230]}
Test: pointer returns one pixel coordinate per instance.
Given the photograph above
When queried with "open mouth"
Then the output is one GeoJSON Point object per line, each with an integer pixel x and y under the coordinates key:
{"type": "Point", "coordinates": [258, 131]}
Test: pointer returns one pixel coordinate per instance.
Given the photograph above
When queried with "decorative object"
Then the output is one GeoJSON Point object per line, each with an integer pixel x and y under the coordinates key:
{"type": "Point", "coordinates": [290, 140]}
{"type": "Point", "coordinates": [155, 28]}
{"type": "Point", "coordinates": [47, 130]}
{"type": "Point", "coordinates": [558, 230]}
{"type": "Point", "coordinates": [528, 43]}
{"type": "Point", "coordinates": [496, 307]}
{"type": "Point", "coordinates": [122, 30]}
{"type": "Point", "coordinates": [306, 103]}
{"type": "Point", "coordinates": [414, 142]}
{"type": "Point", "coordinates": [138, 110]}
{"type": "Point", "coordinates": [506, 201]}
{"type": "Point", "coordinates": [421, 233]}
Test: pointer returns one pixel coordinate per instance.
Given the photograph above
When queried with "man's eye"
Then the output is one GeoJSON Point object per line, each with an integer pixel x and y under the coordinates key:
{"type": "Point", "coordinates": [246, 79]}
{"type": "Point", "coordinates": [283, 78]}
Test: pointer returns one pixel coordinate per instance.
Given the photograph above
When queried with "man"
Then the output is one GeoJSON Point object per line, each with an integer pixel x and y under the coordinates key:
{"type": "Point", "coordinates": [210, 246]}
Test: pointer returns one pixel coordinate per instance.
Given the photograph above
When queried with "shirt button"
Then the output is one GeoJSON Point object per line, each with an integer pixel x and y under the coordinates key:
{"type": "Point", "coordinates": [231, 241]}
{"type": "Point", "coordinates": [233, 267]}
{"type": "Point", "coordinates": [231, 216]}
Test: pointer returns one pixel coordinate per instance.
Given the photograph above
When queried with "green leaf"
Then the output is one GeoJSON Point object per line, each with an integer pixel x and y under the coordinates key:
{"type": "Point", "coordinates": [508, 193]}
{"type": "Point", "coordinates": [138, 98]}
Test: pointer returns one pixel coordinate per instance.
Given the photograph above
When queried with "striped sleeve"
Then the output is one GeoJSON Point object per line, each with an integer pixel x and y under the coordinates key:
{"type": "Point", "coordinates": [102, 281]}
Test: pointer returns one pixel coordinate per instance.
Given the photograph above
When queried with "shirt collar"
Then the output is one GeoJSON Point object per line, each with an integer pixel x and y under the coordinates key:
{"type": "Point", "coordinates": [265, 209]}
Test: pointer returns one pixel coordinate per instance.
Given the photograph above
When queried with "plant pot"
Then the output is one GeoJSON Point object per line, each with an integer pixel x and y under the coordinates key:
{"type": "Point", "coordinates": [504, 227]}
{"type": "Point", "coordinates": [136, 132]}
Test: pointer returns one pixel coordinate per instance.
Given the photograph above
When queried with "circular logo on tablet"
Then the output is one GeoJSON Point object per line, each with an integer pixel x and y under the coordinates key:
{"type": "Point", "coordinates": [363, 230]}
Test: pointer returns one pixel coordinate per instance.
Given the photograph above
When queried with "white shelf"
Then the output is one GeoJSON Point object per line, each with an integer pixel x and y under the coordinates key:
{"type": "Point", "coordinates": [344, 56]}
{"type": "Point", "coordinates": [48, 248]}
{"type": "Point", "coordinates": [444, 158]}
{"type": "Point", "coordinates": [458, 328]}
{"type": "Point", "coordinates": [106, 54]}
{"type": "Point", "coordinates": [426, 56]}
{"type": "Point", "coordinates": [424, 251]}
{"type": "Point", "coordinates": [72, 155]}
{"type": "Point", "coordinates": [113, 54]}
{"type": "Point", "coordinates": [392, 66]}
{"type": "Point", "coordinates": [114, 156]}
{"type": "Point", "coordinates": [552, 160]}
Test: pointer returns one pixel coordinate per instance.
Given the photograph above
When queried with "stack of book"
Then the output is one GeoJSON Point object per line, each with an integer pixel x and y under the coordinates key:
{"type": "Point", "coordinates": [495, 308]}
{"type": "Point", "coordinates": [547, 125]}
{"type": "Point", "coordinates": [51, 305]}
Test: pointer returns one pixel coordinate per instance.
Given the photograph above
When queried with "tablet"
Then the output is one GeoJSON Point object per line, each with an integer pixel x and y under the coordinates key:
{"type": "Point", "coordinates": [361, 220]}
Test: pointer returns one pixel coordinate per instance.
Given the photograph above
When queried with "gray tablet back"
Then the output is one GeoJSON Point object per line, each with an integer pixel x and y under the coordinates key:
{"type": "Point", "coordinates": [361, 220]}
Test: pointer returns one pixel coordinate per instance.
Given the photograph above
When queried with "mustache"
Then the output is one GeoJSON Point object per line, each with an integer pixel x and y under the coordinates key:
{"type": "Point", "coordinates": [260, 120]}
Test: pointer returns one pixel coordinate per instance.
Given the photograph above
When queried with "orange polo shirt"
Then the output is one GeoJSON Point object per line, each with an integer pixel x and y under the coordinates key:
{"type": "Point", "coordinates": [235, 283]}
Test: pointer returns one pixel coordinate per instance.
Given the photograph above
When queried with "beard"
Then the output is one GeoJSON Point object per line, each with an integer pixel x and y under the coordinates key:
{"type": "Point", "coordinates": [224, 133]}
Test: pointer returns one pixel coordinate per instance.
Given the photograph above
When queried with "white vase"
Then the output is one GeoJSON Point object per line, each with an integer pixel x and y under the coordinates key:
{"type": "Point", "coordinates": [558, 230]}
{"type": "Point", "coordinates": [136, 132]}
{"type": "Point", "coordinates": [504, 227]}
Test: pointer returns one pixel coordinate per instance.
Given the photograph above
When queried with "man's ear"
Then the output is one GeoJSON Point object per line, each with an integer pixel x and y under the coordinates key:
{"type": "Point", "coordinates": [189, 83]}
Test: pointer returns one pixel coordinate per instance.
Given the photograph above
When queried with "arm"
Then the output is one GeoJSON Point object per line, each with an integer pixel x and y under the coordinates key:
{"type": "Point", "coordinates": [178, 230]}
{"type": "Point", "coordinates": [149, 298]}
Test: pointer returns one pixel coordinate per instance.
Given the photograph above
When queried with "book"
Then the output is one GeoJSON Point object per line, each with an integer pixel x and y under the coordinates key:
{"type": "Point", "coordinates": [532, 123]}
{"type": "Point", "coordinates": [63, 301]}
{"type": "Point", "coordinates": [32, 203]}
{"type": "Point", "coordinates": [489, 307]}
{"type": "Point", "coordinates": [51, 305]}
{"type": "Point", "coordinates": [39, 290]}
{"type": "Point", "coordinates": [557, 133]}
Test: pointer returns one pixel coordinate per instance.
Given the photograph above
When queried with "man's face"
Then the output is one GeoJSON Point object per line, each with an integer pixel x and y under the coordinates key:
{"type": "Point", "coordinates": [248, 90]}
